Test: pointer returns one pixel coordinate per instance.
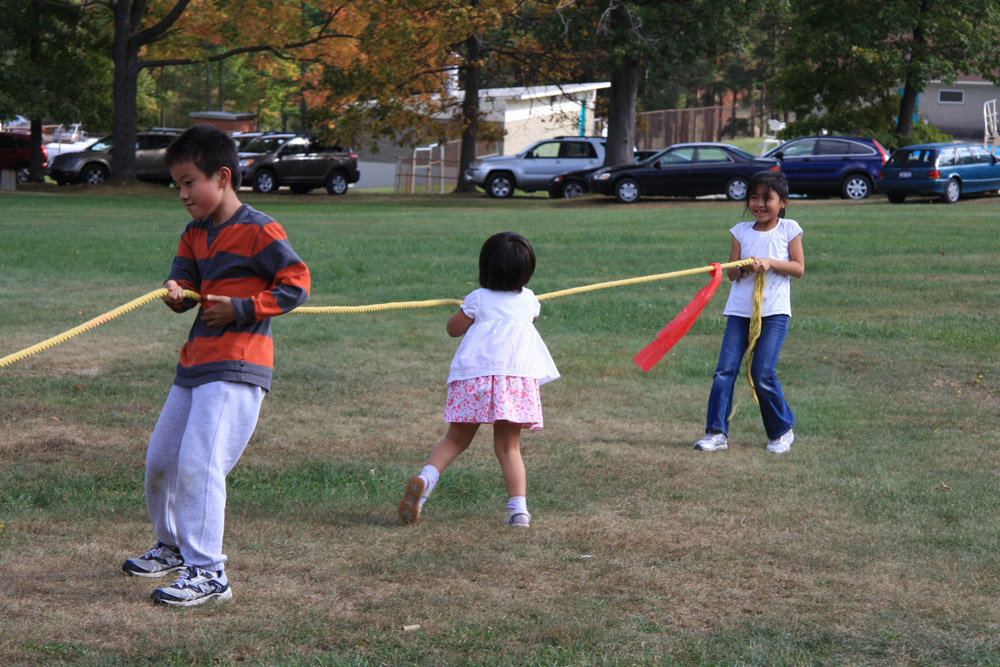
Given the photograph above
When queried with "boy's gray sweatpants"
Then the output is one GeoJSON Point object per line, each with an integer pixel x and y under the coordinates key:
{"type": "Point", "coordinates": [200, 435]}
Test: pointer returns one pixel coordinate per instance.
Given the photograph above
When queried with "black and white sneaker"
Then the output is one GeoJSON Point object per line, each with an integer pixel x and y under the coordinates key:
{"type": "Point", "coordinates": [194, 587]}
{"type": "Point", "coordinates": [157, 562]}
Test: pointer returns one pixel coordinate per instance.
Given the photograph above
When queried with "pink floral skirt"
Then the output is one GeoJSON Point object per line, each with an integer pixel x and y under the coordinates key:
{"type": "Point", "coordinates": [489, 399]}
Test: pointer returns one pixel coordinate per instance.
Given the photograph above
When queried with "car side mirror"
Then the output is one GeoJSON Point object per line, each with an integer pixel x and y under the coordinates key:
{"type": "Point", "coordinates": [658, 164]}
{"type": "Point", "coordinates": [779, 155]}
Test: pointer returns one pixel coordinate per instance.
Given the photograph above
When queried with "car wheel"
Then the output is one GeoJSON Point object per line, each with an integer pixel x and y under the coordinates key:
{"type": "Point", "coordinates": [23, 173]}
{"type": "Point", "coordinates": [627, 190]}
{"type": "Point", "coordinates": [952, 192]}
{"type": "Point", "coordinates": [573, 189]}
{"type": "Point", "coordinates": [736, 188]}
{"type": "Point", "coordinates": [336, 183]}
{"type": "Point", "coordinates": [264, 182]}
{"type": "Point", "coordinates": [500, 185]}
{"type": "Point", "coordinates": [896, 198]}
{"type": "Point", "coordinates": [301, 189]}
{"type": "Point", "coordinates": [93, 174]}
{"type": "Point", "coordinates": [856, 186]}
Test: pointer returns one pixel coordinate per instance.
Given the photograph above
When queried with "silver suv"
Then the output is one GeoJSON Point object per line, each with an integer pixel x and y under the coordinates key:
{"type": "Point", "coordinates": [534, 167]}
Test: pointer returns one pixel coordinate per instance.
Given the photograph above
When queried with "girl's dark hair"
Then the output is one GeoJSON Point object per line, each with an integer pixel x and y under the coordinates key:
{"type": "Point", "coordinates": [506, 262]}
{"type": "Point", "coordinates": [768, 181]}
{"type": "Point", "coordinates": [209, 148]}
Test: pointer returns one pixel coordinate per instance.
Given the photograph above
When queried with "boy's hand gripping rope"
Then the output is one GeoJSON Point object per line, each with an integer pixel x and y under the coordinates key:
{"type": "Point", "coordinates": [325, 310]}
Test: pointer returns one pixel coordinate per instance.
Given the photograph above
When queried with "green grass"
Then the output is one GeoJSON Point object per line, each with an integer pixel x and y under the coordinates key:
{"type": "Point", "coordinates": [874, 541]}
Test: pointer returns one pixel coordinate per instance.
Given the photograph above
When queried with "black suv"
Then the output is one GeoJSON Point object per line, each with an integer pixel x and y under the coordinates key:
{"type": "Point", "coordinates": [299, 161]}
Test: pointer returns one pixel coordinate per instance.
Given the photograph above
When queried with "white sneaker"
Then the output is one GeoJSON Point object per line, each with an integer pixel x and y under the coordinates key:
{"type": "Point", "coordinates": [712, 442]}
{"type": "Point", "coordinates": [195, 586]}
{"type": "Point", "coordinates": [782, 444]}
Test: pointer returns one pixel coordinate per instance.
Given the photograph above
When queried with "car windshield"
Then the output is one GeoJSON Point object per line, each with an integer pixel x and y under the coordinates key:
{"type": "Point", "coordinates": [265, 144]}
{"type": "Point", "coordinates": [912, 157]}
{"type": "Point", "coordinates": [102, 144]}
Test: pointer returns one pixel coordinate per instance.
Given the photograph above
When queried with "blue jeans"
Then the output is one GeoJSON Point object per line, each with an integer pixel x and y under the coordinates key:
{"type": "Point", "coordinates": [774, 411]}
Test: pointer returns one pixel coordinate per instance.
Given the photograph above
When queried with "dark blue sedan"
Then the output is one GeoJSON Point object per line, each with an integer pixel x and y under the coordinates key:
{"type": "Point", "coordinates": [942, 170]}
{"type": "Point", "coordinates": [683, 170]}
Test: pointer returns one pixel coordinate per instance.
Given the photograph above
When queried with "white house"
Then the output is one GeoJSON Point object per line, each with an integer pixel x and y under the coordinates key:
{"type": "Point", "coordinates": [526, 114]}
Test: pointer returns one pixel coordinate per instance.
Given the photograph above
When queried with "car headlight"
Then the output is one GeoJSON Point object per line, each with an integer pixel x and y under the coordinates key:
{"type": "Point", "coordinates": [601, 176]}
{"type": "Point", "coordinates": [557, 179]}
{"type": "Point", "coordinates": [475, 164]}
{"type": "Point", "coordinates": [246, 162]}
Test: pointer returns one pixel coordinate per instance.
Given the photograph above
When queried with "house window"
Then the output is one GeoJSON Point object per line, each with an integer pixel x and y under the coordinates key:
{"type": "Point", "coordinates": [951, 97]}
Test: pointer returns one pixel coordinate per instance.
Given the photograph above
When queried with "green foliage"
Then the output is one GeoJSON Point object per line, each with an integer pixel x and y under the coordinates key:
{"type": "Point", "coordinates": [871, 121]}
{"type": "Point", "coordinates": [54, 63]}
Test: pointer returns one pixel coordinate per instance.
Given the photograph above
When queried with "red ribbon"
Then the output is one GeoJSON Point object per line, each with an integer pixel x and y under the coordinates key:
{"type": "Point", "coordinates": [650, 355]}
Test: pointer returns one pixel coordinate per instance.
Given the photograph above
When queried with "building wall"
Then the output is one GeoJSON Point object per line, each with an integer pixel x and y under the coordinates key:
{"type": "Point", "coordinates": [527, 121]}
{"type": "Point", "coordinates": [962, 120]}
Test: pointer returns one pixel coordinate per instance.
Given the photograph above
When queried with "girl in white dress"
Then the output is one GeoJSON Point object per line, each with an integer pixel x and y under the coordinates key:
{"type": "Point", "coordinates": [494, 375]}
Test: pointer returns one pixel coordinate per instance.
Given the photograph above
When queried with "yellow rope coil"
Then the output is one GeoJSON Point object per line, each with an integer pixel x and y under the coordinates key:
{"type": "Point", "coordinates": [335, 310]}
{"type": "Point", "coordinates": [754, 333]}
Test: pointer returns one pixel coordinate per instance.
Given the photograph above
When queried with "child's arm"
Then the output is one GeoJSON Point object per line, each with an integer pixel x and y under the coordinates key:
{"type": "Point", "coordinates": [290, 281]}
{"type": "Point", "coordinates": [458, 324]}
{"type": "Point", "coordinates": [735, 272]}
{"type": "Point", "coordinates": [794, 267]}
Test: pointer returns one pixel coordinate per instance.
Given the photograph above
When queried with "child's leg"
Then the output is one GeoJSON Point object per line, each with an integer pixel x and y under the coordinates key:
{"type": "Point", "coordinates": [221, 420]}
{"type": "Point", "coordinates": [774, 411]}
{"type": "Point", "coordinates": [507, 446]}
{"type": "Point", "coordinates": [720, 400]}
{"type": "Point", "coordinates": [455, 441]}
{"type": "Point", "coordinates": [161, 463]}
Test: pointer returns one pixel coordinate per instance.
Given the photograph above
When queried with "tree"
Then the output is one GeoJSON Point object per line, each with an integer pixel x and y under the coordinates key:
{"type": "Point", "coordinates": [623, 36]}
{"type": "Point", "coordinates": [849, 80]}
{"type": "Point", "coordinates": [52, 67]}
{"type": "Point", "coordinates": [144, 25]}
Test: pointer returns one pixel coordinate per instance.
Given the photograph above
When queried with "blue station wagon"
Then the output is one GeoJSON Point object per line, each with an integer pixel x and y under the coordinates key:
{"type": "Point", "coordinates": [940, 170]}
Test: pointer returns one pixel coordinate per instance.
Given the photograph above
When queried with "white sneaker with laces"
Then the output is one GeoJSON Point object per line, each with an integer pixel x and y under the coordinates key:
{"type": "Point", "coordinates": [781, 444]}
{"type": "Point", "coordinates": [193, 587]}
{"type": "Point", "coordinates": [157, 562]}
{"type": "Point", "coordinates": [712, 442]}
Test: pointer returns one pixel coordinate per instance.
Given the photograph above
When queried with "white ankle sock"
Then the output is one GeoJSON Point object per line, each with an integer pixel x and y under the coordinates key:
{"type": "Point", "coordinates": [430, 475]}
{"type": "Point", "coordinates": [517, 504]}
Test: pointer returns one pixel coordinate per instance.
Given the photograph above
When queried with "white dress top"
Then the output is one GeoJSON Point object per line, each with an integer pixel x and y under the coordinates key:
{"type": "Point", "coordinates": [502, 339]}
{"type": "Point", "coordinates": [777, 287]}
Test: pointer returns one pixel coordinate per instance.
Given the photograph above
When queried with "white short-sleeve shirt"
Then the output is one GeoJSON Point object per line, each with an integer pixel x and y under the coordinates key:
{"type": "Point", "coordinates": [777, 287]}
{"type": "Point", "coordinates": [502, 339]}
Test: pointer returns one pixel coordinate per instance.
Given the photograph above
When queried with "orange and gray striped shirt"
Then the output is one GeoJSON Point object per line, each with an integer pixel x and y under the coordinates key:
{"type": "Point", "coordinates": [249, 259]}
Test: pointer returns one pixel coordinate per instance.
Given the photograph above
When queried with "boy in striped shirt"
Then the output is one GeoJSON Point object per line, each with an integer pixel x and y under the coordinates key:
{"type": "Point", "coordinates": [242, 264]}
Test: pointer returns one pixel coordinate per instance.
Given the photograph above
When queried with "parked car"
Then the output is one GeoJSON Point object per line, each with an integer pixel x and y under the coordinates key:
{"type": "Point", "coordinates": [299, 161]}
{"type": "Point", "coordinates": [684, 170]}
{"type": "Point", "coordinates": [574, 183]}
{"type": "Point", "coordinates": [940, 170]}
{"type": "Point", "coordinates": [241, 139]}
{"type": "Point", "coordinates": [94, 164]}
{"type": "Point", "coordinates": [15, 153]}
{"type": "Point", "coordinates": [534, 167]}
{"type": "Point", "coordinates": [848, 166]}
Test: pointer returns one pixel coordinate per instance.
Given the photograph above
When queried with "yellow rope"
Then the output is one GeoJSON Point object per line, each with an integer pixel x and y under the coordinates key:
{"type": "Point", "coordinates": [754, 333]}
{"type": "Point", "coordinates": [327, 310]}
{"type": "Point", "coordinates": [90, 324]}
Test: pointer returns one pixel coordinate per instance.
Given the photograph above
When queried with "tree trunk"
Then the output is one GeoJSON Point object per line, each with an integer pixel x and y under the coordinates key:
{"type": "Point", "coordinates": [914, 83]}
{"type": "Point", "coordinates": [35, 159]}
{"type": "Point", "coordinates": [125, 54]}
{"type": "Point", "coordinates": [621, 113]}
{"type": "Point", "coordinates": [470, 111]}
{"type": "Point", "coordinates": [907, 107]}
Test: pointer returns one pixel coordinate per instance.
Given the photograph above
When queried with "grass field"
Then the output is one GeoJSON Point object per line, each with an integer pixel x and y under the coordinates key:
{"type": "Point", "coordinates": [873, 542]}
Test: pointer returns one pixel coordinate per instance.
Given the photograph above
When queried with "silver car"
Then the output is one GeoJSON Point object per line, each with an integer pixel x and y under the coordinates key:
{"type": "Point", "coordinates": [94, 164]}
{"type": "Point", "coordinates": [534, 167]}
